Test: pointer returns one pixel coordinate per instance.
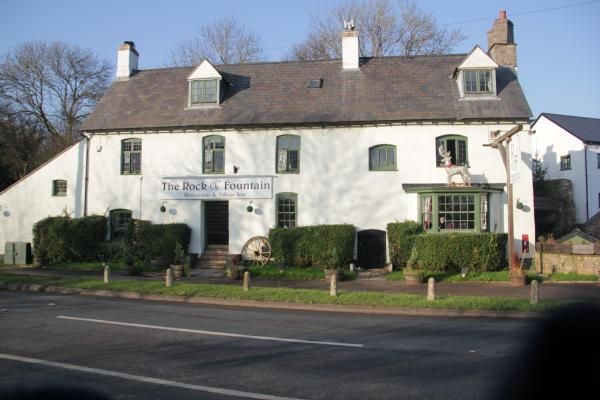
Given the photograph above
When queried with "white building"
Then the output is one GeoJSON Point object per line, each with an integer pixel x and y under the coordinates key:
{"type": "Point", "coordinates": [569, 148]}
{"type": "Point", "coordinates": [298, 143]}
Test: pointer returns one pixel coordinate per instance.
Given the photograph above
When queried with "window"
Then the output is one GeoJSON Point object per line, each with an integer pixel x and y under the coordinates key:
{"type": "Point", "coordinates": [288, 154]}
{"type": "Point", "coordinates": [478, 81]}
{"type": "Point", "coordinates": [565, 163]}
{"type": "Point", "coordinates": [454, 211]}
{"type": "Point", "coordinates": [204, 91]}
{"type": "Point", "coordinates": [119, 220]}
{"type": "Point", "coordinates": [131, 156]}
{"type": "Point", "coordinates": [287, 210]}
{"type": "Point", "coordinates": [214, 155]}
{"type": "Point", "coordinates": [59, 187]}
{"type": "Point", "coordinates": [456, 145]}
{"type": "Point", "coordinates": [598, 159]}
{"type": "Point", "coordinates": [382, 158]}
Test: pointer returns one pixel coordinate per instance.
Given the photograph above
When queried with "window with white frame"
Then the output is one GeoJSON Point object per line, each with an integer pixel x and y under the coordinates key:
{"type": "Point", "coordinates": [454, 211]}
{"type": "Point", "coordinates": [287, 210]}
{"type": "Point", "coordinates": [382, 158]}
{"type": "Point", "coordinates": [204, 91]}
{"type": "Point", "coordinates": [288, 154]}
{"type": "Point", "coordinates": [131, 156]}
{"type": "Point", "coordinates": [565, 163]}
{"type": "Point", "coordinates": [214, 154]}
{"type": "Point", "coordinates": [478, 81]}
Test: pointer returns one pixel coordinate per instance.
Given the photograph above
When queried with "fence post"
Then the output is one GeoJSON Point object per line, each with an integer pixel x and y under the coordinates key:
{"type": "Point", "coordinates": [246, 281]}
{"type": "Point", "coordinates": [168, 277]}
{"type": "Point", "coordinates": [106, 273]}
{"type": "Point", "coordinates": [534, 292]}
{"type": "Point", "coordinates": [333, 285]}
{"type": "Point", "coordinates": [431, 289]}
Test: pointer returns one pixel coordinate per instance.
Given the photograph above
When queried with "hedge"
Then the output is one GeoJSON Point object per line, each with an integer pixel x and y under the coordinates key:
{"type": "Point", "coordinates": [401, 238]}
{"type": "Point", "coordinates": [449, 252]}
{"type": "Point", "coordinates": [145, 241]}
{"type": "Point", "coordinates": [65, 239]}
{"type": "Point", "coordinates": [318, 245]}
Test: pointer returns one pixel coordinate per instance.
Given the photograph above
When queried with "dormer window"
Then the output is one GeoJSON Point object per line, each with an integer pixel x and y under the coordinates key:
{"type": "Point", "coordinates": [478, 81]}
{"type": "Point", "coordinates": [204, 86]}
{"type": "Point", "coordinates": [205, 91]}
{"type": "Point", "coordinates": [476, 76]}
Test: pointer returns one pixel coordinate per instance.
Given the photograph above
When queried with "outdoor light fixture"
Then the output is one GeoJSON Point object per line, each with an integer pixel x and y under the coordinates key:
{"type": "Point", "coordinates": [249, 207]}
{"type": "Point", "coordinates": [235, 169]}
{"type": "Point", "coordinates": [162, 207]}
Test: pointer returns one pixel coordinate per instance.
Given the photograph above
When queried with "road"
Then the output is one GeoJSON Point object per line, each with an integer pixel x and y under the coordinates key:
{"type": "Point", "coordinates": [134, 349]}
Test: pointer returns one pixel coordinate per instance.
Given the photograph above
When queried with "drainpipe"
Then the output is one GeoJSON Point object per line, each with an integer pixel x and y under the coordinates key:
{"type": "Point", "coordinates": [87, 137]}
{"type": "Point", "coordinates": [587, 206]}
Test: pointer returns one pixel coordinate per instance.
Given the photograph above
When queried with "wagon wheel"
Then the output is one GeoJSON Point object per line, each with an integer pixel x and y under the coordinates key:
{"type": "Point", "coordinates": [257, 250]}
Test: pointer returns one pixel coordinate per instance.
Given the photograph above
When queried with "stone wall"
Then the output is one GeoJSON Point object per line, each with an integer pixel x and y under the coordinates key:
{"type": "Point", "coordinates": [560, 258]}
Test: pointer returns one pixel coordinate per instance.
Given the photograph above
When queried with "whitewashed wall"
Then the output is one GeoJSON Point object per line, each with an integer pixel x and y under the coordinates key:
{"type": "Point", "coordinates": [334, 184]}
{"type": "Point", "coordinates": [550, 143]}
{"type": "Point", "coordinates": [31, 200]}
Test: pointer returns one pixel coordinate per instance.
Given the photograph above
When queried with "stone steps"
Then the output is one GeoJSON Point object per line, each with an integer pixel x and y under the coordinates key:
{"type": "Point", "coordinates": [213, 257]}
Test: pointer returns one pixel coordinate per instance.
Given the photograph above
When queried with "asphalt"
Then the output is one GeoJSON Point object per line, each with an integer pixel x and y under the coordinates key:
{"type": "Point", "coordinates": [366, 282]}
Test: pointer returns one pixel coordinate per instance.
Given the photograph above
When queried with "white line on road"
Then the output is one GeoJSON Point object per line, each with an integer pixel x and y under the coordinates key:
{"type": "Point", "coordinates": [145, 379]}
{"type": "Point", "coordinates": [213, 333]}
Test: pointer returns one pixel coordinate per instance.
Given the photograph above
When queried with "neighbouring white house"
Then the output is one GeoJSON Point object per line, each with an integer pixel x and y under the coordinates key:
{"type": "Point", "coordinates": [234, 150]}
{"type": "Point", "coordinates": [569, 148]}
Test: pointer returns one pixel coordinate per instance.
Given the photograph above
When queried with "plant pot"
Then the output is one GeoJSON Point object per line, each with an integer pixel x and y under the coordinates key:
{"type": "Point", "coordinates": [339, 273]}
{"type": "Point", "coordinates": [177, 271]}
{"type": "Point", "coordinates": [518, 280]}
{"type": "Point", "coordinates": [415, 277]}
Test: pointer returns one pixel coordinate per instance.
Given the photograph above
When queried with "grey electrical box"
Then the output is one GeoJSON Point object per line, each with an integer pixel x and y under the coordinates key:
{"type": "Point", "coordinates": [17, 253]}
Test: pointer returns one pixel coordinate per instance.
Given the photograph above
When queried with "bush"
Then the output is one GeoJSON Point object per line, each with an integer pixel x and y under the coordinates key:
{"type": "Point", "coordinates": [64, 239]}
{"type": "Point", "coordinates": [449, 252]}
{"type": "Point", "coordinates": [319, 245]}
{"type": "Point", "coordinates": [145, 241]}
{"type": "Point", "coordinates": [401, 236]}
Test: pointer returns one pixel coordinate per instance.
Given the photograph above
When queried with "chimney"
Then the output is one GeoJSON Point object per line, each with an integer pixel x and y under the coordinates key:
{"type": "Point", "coordinates": [127, 61]}
{"type": "Point", "coordinates": [501, 42]}
{"type": "Point", "coordinates": [349, 47]}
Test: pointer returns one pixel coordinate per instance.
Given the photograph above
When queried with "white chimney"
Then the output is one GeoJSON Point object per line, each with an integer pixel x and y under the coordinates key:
{"type": "Point", "coordinates": [127, 61]}
{"type": "Point", "coordinates": [349, 46]}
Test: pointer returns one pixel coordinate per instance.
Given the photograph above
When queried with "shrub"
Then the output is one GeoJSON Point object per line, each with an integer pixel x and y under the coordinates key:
{"type": "Point", "coordinates": [401, 237]}
{"type": "Point", "coordinates": [145, 241]}
{"type": "Point", "coordinates": [318, 245]}
{"type": "Point", "coordinates": [65, 239]}
{"type": "Point", "coordinates": [449, 252]}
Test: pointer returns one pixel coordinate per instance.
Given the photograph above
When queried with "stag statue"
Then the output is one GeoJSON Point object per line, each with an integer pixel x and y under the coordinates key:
{"type": "Point", "coordinates": [451, 171]}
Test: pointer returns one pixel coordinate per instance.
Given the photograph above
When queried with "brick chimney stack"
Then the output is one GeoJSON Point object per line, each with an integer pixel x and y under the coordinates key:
{"type": "Point", "coordinates": [501, 42]}
{"type": "Point", "coordinates": [127, 61]}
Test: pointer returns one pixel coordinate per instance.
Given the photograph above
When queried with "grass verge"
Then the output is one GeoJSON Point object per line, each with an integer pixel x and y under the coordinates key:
{"type": "Point", "coordinates": [571, 276]}
{"type": "Point", "coordinates": [303, 296]}
{"type": "Point", "coordinates": [298, 274]}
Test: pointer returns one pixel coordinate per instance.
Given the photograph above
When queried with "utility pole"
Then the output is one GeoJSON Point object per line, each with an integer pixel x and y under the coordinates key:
{"type": "Point", "coordinates": [502, 143]}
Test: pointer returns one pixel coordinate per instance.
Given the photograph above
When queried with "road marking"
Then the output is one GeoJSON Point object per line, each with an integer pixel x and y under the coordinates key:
{"type": "Point", "coordinates": [212, 333]}
{"type": "Point", "coordinates": [145, 379]}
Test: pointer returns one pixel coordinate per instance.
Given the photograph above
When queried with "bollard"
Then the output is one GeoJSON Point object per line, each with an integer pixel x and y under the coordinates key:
{"type": "Point", "coordinates": [534, 292]}
{"type": "Point", "coordinates": [333, 285]}
{"type": "Point", "coordinates": [431, 289]}
{"type": "Point", "coordinates": [168, 277]}
{"type": "Point", "coordinates": [106, 273]}
{"type": "Point", "coordinates": [351, 267]}
{"type": "Point", "coordinates": [246, 281]}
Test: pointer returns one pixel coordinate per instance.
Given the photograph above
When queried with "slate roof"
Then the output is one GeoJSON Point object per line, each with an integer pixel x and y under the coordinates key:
{"type": "Point", "coordinates": [387, 89]}
{"type": "Point", "coordinates": [585, 129]}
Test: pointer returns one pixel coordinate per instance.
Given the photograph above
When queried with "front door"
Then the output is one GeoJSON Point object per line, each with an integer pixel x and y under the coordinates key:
{"type": "Point", "coordinates": [371, 248]}
{"type": "Point", "coordinates": [216, 215]}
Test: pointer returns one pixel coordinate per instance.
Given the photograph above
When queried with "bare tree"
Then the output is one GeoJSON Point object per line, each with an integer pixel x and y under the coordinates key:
{"type": "Point", "coordinates": [57, 84]}
{"type": "Point", "coordinates": [385, 28]}
{"type": "Point", "coordinates": [224, 41]}
{"type": "Point", "coordinates": [23, 145]}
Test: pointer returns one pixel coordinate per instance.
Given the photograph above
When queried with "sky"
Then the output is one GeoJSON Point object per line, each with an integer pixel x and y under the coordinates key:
{"type": "Point", "coordinates": [558, 49]}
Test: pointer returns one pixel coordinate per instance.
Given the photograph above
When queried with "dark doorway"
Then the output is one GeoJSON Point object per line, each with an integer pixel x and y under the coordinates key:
{"type": "Point", "coordinates": [371, 248]}
{"type": "Point", "coordinates": [216, 215]}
